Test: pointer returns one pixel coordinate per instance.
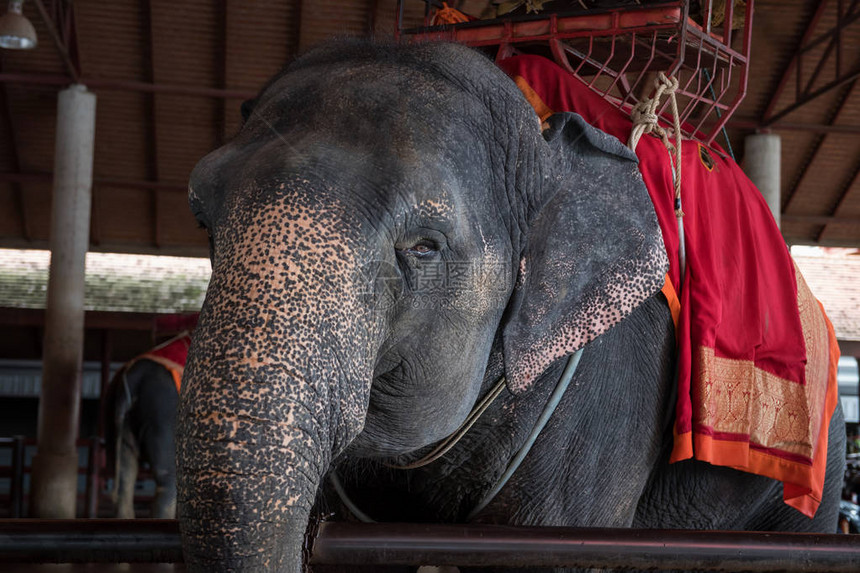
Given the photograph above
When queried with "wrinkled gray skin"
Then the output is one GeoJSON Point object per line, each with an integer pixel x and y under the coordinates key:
{"type": "Point", "coordinates": [383, 162]}
{"type": "Point", "coordinates": [140, 426]}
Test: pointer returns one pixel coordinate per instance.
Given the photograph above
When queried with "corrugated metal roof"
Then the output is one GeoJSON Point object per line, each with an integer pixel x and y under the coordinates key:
{"type": "Point", "coordinates": [140, 283]}
{"type": "Point", "coordinates": [114, 283]}
{"type": "Point", "coordinates": [261, 37]}
{"type": "Point", "coordinates": [113, 39]}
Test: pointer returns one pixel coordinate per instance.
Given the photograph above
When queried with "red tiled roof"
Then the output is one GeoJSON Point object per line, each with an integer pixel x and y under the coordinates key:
{"type": "Point", "coordinates": [835, 280]}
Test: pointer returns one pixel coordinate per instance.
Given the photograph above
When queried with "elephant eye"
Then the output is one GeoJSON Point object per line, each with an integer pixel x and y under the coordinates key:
{"type": "Point", "coordinates": [202, 225]}
{"type": "Point", "coordinates": [423, 248]}
{"type": "Point", "coordinates": [205, 227]}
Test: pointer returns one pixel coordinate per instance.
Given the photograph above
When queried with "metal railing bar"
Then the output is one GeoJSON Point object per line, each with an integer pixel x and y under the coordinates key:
{"type": "Point", "coordinates": [113, 541]}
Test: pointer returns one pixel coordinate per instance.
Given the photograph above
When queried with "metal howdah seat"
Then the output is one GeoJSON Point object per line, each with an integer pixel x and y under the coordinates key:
{"type": "Point", "coordinates": [618, 47]}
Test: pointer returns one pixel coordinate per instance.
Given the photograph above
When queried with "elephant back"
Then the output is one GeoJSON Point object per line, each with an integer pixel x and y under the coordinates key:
{"type": "Point", "coordinates": [172, 355]}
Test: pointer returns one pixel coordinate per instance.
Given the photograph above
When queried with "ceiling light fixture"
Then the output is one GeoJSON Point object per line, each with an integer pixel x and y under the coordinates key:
{"type": "Point", "coordinates": [16, 31]}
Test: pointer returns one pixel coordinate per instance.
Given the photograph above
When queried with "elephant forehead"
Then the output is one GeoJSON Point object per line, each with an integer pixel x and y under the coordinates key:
{"type": "Point", "coordinates": [286, 261]}
{"type": "Point", "coordinates": [292, 228]}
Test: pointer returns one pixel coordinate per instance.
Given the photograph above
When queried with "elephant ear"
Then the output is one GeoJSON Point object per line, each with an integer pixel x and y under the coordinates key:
{"type": "Point", "coordinates": [593, 251]}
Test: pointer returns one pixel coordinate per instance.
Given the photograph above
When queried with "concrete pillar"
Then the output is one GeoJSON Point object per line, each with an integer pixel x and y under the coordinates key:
{"type": "Point", "coordinates": [55, 466]}
{"type": "Point", "coordinates": [762, 165]}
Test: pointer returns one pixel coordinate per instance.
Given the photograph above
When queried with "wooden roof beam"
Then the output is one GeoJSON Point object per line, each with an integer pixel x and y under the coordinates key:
{"type": "Point", "coordinates": [753, 125]}
{"type": "Point", "coordinates": [108, 84]}
{"type": "Point", "coordinates": [152, 131]}
{"type": "Point", "coordinates": [221, 110]}
{"type": "Point", "coordinates": [15, 159]}
{"type": "Point", "coordinates": [820, 219]}
{"type": "Point", "coordinates": [817, 146]}
{"type": "Point", "coordinates": [62, 48]}
{"type": "Point", "coordinates": [93, 319]}
{"type": "Point", "coordinates": [372, 7]}
{"type": "Point", "coordinates": [843, 193]}
{"type": "Point", "coordinates": [805, 92]}
{"type": "Point", "coordinates": [47, 177]}
{"type": "Point", "coordinates": [792, 63]}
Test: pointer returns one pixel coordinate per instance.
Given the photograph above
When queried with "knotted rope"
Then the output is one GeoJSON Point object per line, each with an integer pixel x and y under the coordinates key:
{"type": "Point", "coordinates": [645, 120]}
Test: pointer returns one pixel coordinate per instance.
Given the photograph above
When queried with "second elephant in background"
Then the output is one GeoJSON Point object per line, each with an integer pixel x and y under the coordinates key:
{"type": "Point", "coordinates": [140, 425]}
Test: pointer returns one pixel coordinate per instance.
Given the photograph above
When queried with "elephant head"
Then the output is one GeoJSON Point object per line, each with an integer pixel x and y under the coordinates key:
{"type": "Point", "coordinates": [385, 214]}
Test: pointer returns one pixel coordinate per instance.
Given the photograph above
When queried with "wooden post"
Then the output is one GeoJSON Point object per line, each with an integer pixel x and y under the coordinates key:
{"type": "Point", "coordinates": [16, 488]}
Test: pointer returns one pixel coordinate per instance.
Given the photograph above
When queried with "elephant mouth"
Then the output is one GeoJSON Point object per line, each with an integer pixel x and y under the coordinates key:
{"type": "Point", "coordinates": [389, 392]}
{"type": "Point", "coordinates": [389, 380]}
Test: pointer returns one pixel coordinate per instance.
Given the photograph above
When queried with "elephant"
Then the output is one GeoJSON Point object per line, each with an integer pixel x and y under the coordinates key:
{"type": "Point", "coordinates": [140, 425]}
{"type": "Point", "coordinates": [394, 236]}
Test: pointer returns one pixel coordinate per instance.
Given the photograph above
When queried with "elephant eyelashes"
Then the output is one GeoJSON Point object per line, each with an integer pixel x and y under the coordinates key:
{"type": "Point", "coordinates": [421, 249]}
{"type": "Point", "coordinates": [205, 227]}
{"type": "Point", "coordinates": [201, 224]}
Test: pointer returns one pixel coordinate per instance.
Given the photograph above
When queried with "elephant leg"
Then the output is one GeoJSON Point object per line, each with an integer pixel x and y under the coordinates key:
{"type": "Point", "coordinates": [156, 418]}
{"type": "Point", "coordinates": [159, 450]}
{"type": "Point", "coordinates": [127, 477]}
{"type": "Point", "coordinates": [164, 506]}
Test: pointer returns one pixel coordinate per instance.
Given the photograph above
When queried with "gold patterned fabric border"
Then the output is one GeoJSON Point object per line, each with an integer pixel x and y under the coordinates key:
{"type": "Point", "coordinates": [734, 399]}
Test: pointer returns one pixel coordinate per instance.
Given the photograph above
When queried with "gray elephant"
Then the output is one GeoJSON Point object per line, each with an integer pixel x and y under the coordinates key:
{"type": "Point", "coordinates": [393, 234]}
{"type": "Point", "coordinates": [140, 425]}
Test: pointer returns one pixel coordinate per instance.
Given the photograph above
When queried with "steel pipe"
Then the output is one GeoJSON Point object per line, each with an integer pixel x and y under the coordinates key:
{"type": "Point", "coordinates": [380, 544]}
{"type": "Point", "coordinates": [504, 546]}
{"type": "Point", "coordinates": [114, 84]}
{"type": "Point", "coordinates": [89, 541]}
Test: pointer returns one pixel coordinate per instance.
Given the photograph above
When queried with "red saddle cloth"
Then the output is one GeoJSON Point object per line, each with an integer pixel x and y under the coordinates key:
{"type": "Point", "coordinates": [172, 355]}
{"type": "Point", "coordinates": [757, 356]}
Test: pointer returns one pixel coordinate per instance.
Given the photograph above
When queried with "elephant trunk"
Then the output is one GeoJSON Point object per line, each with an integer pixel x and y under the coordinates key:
{"type": "Point", "coordinates": [246, 488]}
{"type": "Point", "coordinates": [269, 394]}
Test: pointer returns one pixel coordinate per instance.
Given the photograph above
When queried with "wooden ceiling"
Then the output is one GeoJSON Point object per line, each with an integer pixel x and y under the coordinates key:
{"type": "Point", "coordinates": [170, 77]}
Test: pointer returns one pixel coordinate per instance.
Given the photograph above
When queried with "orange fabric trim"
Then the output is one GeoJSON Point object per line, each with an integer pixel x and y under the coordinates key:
{"type": "Point", "coordinates": [671, 295]}
{"type": "Point", "coordinates": [448, 15]}
{"type": "Point", "coordinates": [738, 455]}
{"type": "Point", "coordinates": [533, 98]}
{"type": "Point", "coordinates": [683, 446]}
{"type": "Point", "coordinates": [807, 502]}
{"type": "Point", "coordinates": [171, 366]}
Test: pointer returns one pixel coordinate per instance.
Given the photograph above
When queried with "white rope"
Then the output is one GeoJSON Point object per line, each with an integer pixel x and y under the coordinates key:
{"type": "Point", "coordinates": [645, 120]}
{"type": "Point", "coordinates": [549, 409]}
{"type": "Point", "coordinates": [452, 440]}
